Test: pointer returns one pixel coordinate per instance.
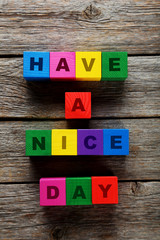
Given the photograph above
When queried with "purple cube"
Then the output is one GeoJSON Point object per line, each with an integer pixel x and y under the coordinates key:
{"type": "Point", "coordinates": [90, 142]}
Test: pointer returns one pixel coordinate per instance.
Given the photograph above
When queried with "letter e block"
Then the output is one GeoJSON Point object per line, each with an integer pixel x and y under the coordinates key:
{"type": "Point", "coordinates": [104, 190]}
{"type": "Point", "coordinates": [77, 105]}
{"type": "Point", "coordinates": [52, 191]}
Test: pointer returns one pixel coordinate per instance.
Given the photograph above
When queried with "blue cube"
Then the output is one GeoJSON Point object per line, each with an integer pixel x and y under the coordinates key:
{"type": "Point", "coordinates": [116, 142]}
{"type": "Point", "coordinates": [36, 66]}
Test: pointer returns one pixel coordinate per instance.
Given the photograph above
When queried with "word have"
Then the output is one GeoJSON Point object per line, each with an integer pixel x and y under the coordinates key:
{"type": "Point", "coordinates": [78, 191]}
{"type": "Point", "coordinates": [77, 142]}
{"type": "Point", "coordinates": [79, 66]}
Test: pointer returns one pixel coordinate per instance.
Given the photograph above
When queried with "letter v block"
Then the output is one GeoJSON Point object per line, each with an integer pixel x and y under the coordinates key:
{"type": "Point", "coordinates": [36, 66]}
{"type": "Point", "coordinates": [88, 66]}
{"type": "Point", "coordinates": [104, 190]}
{"type": "Point", "coordinates": [38, 142]}
{"type": "Point", "coordinates": [52, 191]}
{"type": "Point", "coordinates": [77, 105]}
{"type": "Point", "coordinates": [78, 191]}
{"type": "Point", "coordinates": [62, 66]}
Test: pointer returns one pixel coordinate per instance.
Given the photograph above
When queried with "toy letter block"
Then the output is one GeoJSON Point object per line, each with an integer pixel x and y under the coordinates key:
{"type": "Point", "coordinates": [62, 66]}
{"type": "Point", "coordinates": [38, 142]}
{"type": "Point", "coordinates": [88, 66]}
{"type": "Point", "coordinates": [104, 190]}
{"type": "Point", "coordinates": [52, 191]}
{"type": "Point", "coordinates": [77, 105]}
{"type": "Point", "coordinates": [64, 142]}
{"type": "Point", "coordinates": [90, 142]}
{"type": "Point", "coordinates": [78, 191]}
{"type": "Point", "coordinates": [114, 66]}
{"type": "Point", "coordinates": [116, 142]}
{"type": "Point", "coordinates": [36, 66]}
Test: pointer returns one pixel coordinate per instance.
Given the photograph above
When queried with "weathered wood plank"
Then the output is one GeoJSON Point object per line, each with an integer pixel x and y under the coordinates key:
{"type": "Point", "coordinates": [132, 26]}
{"type": "Point", "coordinates": [138, 96]}
{"type": "Point", "coordinates": [135, 217]}
{"type": "Point", "coordinates": [142, 163]}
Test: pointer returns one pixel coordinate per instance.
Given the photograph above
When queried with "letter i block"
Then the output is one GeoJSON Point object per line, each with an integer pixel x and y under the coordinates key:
{"type": "Point", "coordinates": [88, 66]}
{"type": "Point", "coordinates": [78, 191]}
{"type": "Point", "coordinates": [104, 190]}
{"type": "Point", "coordinates": [64, 142]}
{"type": "Point", "coordinates": [90, 142]}
{"type": "Point", "coordinates": [36, 66]}
{"type": "Point", "coordinates": [114, 66]}
{"type": "Point", "coordinates": [62, 66]}
{"type": "Point", "coordinates": [77, 105]}
{"type": "Point", "coordinates": [38, 142]}
{"type": "Point", "coordinates": [52, 191]}
{"type": "Point", "coordinates": [116, 141]}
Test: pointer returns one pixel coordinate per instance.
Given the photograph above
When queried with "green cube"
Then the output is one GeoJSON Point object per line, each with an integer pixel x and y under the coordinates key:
{"type": "Point", "coordinates": [78, 191]}
{"type": "Point", "coordinates": [38, 142]}
{"type": "Point", "coordinates": [114, 66]}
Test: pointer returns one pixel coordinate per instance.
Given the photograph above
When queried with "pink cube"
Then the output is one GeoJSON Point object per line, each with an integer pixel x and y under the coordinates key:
{"type": "Point", "coordinates": [52, 191]}
{"type": "Point", "coordinates": [62, 66]}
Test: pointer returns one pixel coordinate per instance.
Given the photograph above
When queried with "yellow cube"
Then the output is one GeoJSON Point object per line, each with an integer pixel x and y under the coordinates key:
{"type": "Point", "coordinates": [88, 66]}
{"type": "Point", "coordinates": [64, 142]}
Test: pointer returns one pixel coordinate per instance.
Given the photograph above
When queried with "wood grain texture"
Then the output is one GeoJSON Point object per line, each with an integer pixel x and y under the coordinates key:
{"type": "Point", "coordinates": [143, 162]}
{"type": "Point", "coordinates": [135, 217]}
{"type": "Point", "coordinates": [138, 96]}
{"type": "Point", "coordinates": [71, 25]}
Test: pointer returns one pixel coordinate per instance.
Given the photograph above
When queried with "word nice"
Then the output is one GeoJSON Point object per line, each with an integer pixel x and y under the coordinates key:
{"type": "Point", "coordinates": [77, 142]}
{"type": "Point", "coordinates": [78, 66]}
{"type": "Point", "coordinates": [78, 191]}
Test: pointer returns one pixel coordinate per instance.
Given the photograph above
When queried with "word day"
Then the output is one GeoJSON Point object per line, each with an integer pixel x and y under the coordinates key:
{"type": "Point", "coordinates": [75, 66]}
{"type": "Point", "coordinates": [77, 142]}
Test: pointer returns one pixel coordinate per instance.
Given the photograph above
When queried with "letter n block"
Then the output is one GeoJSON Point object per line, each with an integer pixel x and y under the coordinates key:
{"type": "Point", "coordinates": [38, 142]}
{"type": "Point", "coordinates": [104, 190]}
{"type": "Point", "coordinates": [36, 66]}
{"type": "Point", "coordinates": [78, 191]}
{"type": "Point", "coordinates": [62, 66]}
{"type": "Point", "coordinates": [52, 191]}
{"type": "Point", "coordinates": [77, 105]}
{"type": "Point", "coordinates": [114, 66]}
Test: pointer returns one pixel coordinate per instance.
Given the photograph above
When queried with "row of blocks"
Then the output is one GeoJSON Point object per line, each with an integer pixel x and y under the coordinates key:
{"type": "Point", "coordinates": [77, 142]}
{"type": "Point", "coordinates": [81, 66]}
{"type": "Point", "coordinates": [78, 191]}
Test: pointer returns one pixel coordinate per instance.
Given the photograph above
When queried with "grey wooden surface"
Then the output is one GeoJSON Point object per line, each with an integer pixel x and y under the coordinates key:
{"type": "Point", "coordinates": [45, 25]}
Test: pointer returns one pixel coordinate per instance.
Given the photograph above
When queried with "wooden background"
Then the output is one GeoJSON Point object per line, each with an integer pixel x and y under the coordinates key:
{"type": "Point", "coordinates": [73, 25]}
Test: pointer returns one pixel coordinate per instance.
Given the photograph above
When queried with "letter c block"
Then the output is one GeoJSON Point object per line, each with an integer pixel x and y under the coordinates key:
{"type": "Point", "coordinates": [52, 191]}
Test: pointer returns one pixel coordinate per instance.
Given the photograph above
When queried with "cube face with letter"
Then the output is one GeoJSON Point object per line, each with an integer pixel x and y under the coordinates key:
{"type": "Point", "coordinates": [36, 66]}
{"type": "Point", "coordinates": [104, 190]}
{"type": "Point", "coordinates": [64, 142]}
{"type": "Point", "coordinates": [52, 191]}
{"type": "Point", "coordinates": [62, 66]}
{"type": "Point", "coordinates": [78, 191]}
{"type": "Point", "coordinates": [38, 142]}
{"type": "Point", "coordinates": [114, 66]}
{"type": "Point", "coordinates": [116, 142]}
{"type": "Point", "coordinates": [88, 66]}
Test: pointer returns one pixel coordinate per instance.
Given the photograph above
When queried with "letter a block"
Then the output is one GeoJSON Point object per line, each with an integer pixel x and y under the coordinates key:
{"type": "Point", "coordinates": [104, 190]}
{"type": "Point", "coordinates": [88, 66]}
{"type": "Point", "coordinates": [36, 66]}
{"type": "Point", "coordinates": [38, 142]}
{"type": "Point", "coordinates": [78, 191]}
{"type": "Point", "coordinates": [77, 105]}
{"type": "Point", "coordinates": [62, 66]}
{"type": "Point", "coordinates": [52, 191]}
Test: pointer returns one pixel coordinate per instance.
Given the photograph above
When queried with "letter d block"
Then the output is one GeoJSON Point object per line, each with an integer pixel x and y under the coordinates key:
{"type": "Point", "coordinates": [104, 190]}
{"type": "Point", "coordinates": [38, 142]}
{"type": "Point", "coordinates": [77, 105]}
{"type": "Point", "coordinates": [78, 191]}
{"type": "Point", "coordinates": [36, 66]}
{"type": "Point", "coordinates": [114, 66]}
{"type": "Point", "coordinates": [52, 191]}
